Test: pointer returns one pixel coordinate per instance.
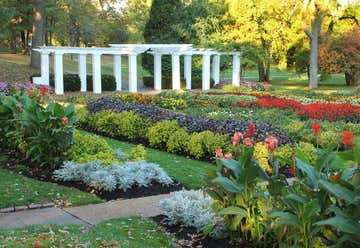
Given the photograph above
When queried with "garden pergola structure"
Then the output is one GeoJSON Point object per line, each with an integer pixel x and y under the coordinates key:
{"type": "Point", "coordinates": [132, 51]}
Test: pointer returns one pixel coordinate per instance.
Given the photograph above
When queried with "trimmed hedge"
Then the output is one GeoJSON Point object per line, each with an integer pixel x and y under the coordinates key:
{"type": "Point", "coordinates": [72, 82]}
{"type": "Point", "coordinates": [166, 83]}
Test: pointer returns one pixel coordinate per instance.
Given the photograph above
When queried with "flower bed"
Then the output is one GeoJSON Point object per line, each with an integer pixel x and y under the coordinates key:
{"type": "Point", "coordinates": [193, 124]}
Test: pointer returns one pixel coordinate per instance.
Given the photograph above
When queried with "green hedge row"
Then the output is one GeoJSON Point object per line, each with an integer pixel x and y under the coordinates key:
{"type": "Point", "coordinates": [166, 82]}
{"type": "Point", "coordinates": [72, 82]}
{"type": "Point", "coordinates": [164, 135]}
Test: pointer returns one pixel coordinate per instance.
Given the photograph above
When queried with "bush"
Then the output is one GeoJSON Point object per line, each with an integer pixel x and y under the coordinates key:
{"type": "Point", "coordinates": [159, 134]}
{"type": "Point", "coordinates": [124, 124]}
{"type": "Point", "coordinates": [309, 150]}
{"type": "Point", "coordinates": [190, 208]}
{"type": "Point", "coordinates": [89, 147]}
{"type": "Point", "coordinates": [137, 153]}
{"type": "Point", "coordinates": [178, 141]}
{"type": "Point", "coordinates": [166, 82]}
{"type": "Point", "coordinates": [285, 154]}
{"type": "Point", "coordinates": [328, 139]}
{"type": "Point", "coordinates": [72, 82]}
{"type": "Point", "coordinates": [205, 143]}
{"type": "Point", "coordinates": [109, 178]}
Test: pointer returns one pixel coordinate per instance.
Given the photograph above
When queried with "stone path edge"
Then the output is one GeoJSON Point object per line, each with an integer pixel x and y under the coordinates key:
{"type": "Point", "coordinates": [27, 207]}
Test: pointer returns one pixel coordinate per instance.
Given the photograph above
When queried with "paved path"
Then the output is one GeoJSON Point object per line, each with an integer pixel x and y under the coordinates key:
{"type": "Point", "coordinates": [84, 215]}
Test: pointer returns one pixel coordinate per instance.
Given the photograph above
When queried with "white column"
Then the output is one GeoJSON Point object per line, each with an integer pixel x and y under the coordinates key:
{"type": "Point", "coordinates": [236, 70]}
{"type": "Point", "coordinates": [45, 68]}
{"type": "Point", "coordinates": [117, 71]}
{"type": "Point", "coordinates": [206, 72]}
{"type": "Point", "coordinates": [216, 68]}
{"type": "Point", "coordinates": [132, 73]}
{"type": "Point", "coordinates": [187, 71]}
{"type": "Point", "coordinates": [157, 71]}
{"type": "Point", "coordinates": [58, 71]}
{"type": "Point", "coordinates": [96, 72]}
{"type": "Point", "coordinates": [82, 71]}
{"type": "Point", "coordinates": [175, 61]}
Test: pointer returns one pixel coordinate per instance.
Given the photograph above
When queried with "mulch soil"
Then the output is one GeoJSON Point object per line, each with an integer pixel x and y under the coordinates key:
{"type": "Point", "coordinates": [188, 237]}
{"type": "Point", "coordinates": [45, 174]}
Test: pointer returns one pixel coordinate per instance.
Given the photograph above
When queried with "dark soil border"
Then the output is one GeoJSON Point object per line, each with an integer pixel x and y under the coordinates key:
{"type": "Point", "coordinates": [188, 237]}
{"type": "Point", "coordinates": [44, 174]}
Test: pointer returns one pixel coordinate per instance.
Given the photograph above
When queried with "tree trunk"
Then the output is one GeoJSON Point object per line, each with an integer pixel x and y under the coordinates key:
{"type": "Point", "coordinates": [38, 31]}
{"type": "Point", "coordinates": [13, 42]}
{"type": "Point", "coordinates": [314, 51]}
{"type": "Point", "coordinates": [23, 41]}
{"type": "Point", "coordinates": [351, 78]}
{"type": "Point", "coordinates": [261, 70]}
{"type": "Point", "coordinates": [267, 71]}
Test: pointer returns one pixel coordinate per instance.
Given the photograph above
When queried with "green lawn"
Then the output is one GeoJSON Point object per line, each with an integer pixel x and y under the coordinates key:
{"type": "Point", "coordinates": [126, 232]}
{"type": "Point", "coordinates": [184, 170]}
{"type": "Point", "coordinates": [19, 190]}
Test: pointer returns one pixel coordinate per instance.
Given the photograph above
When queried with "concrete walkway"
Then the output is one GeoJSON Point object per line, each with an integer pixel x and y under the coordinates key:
{"type": "Point", "coordinates": [84, 215]}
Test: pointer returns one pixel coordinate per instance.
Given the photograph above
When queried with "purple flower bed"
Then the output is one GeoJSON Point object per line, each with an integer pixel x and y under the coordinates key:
{"type": "Point", "coordinates": [192, 123]}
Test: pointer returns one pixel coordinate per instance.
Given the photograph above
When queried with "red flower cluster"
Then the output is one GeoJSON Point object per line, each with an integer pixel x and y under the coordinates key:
{"type": "Point", "coordinates": [237, 137]}
{"type": "Point", "coordinates": [64, 120]}
{"type": "Point", "coordinates": [348, 139]}
{"type": "Point", "coordinates": [281, 103]}
{"type": "Point", "coordinates": [251, 130]}
{"type": "Point", "coordinates": [316, 128]}
{"type": "Point", "coordinates": [331, 111]}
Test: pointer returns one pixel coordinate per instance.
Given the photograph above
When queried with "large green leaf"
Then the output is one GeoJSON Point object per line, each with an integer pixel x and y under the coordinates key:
{"type": "Point", "coordinates": [346, 225]}
{"type": "Point", "coordinates": [232, 210]}
{"type": "Point", "coordinates": [309, 171]}
{"type": "Point", "coordinates": [286, 218]}
{"type": "Point", "coordinates": [228, 184]}
{"type": "Point", "coordinates": [233, 165]}
{"type": "Point", "coordinates": [357, 150]}
{"type": "Point", "coordinates": [339, 191]}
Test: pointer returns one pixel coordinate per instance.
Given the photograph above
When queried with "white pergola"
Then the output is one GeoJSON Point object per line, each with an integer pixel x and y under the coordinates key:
{"type": "Point", "coordinates": [132, 50]}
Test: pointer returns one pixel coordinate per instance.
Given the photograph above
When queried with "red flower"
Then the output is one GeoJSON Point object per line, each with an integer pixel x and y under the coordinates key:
{"type": "Point", "coordinates": [29, 91]}
{"type": "Point", "coordinates": [219, 153]}
{"type": "Point", "coordinates": [316, 128]}
{"type": "Point", "coordinates": [271, 143]}
{"type": "Point", "coordinates": [237, 137]}
{"type": "Point", "coordinates": [251, 130]}
{"type": "Point", "coordinates": [228, 156]}
{"type": "Point", "coordinates": [336, 177]}
{"type": "Point", "coordinates": [247, 142]}
{"type": "Point", "coordinates": [64, 120]}
{"type": "Point", "coordinates": [348, 139]}
{"type": "Point", "coordinates": [291, 171]}
{"type": "Point", "coordinates": [43, 90]}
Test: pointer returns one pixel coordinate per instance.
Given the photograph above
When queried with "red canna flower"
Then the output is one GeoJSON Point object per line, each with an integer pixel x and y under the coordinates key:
{"type": "Point", "coordinates": [247, 142]}
{"type": "Point", "coordinates": [43, 90]}
{"type": "Point", "coordinates": [251, 130]}
{"type": "Point", "coordinates": [237, 137]}
{"type": "Point", "coordinates": [64, 120]}
{"type": "Point", "coordinates": [336, 177]}
{"type": "Point", "coordinates": [316, 128]}
{"type": "Point", "coordinates": [291, 171]}
{"type": "Point", "coordinates": [219, 153]}
{"type": "Point", "coordinates": [228, 156]}
{"type": "Point", "coordinates": [271, 143]}
{"type": "Point", "coordinates": [29, 91]}
{"type": "Point", "coordinates": [348, 139]}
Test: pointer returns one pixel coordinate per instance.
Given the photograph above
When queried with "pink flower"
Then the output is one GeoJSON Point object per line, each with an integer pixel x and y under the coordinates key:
{"type": "Point", "coordinates": [237, 137]}
{"type": "Point", "coordinates": [271, 143]}
{"type": "Point", "coordinates": [219, 153]}
{"type": "Point", "coordinates": [247, 142]}
{"type": "Point", "coordinates": [228, 156]}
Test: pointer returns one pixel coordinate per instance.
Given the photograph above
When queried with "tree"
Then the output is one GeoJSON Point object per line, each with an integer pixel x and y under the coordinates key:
{"type": "Point", "coordinates": [313, 15]}
{"type": "Point", "coordinates": [38, 31]}
{"type": "Point", "coordinates": [342, 55]}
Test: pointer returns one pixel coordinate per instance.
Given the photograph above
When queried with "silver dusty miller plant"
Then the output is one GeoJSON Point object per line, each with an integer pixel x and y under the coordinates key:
{"type": "Point", "coordinates": [191, 208]}
{"type": "Point", "coordinates": [108, 178]}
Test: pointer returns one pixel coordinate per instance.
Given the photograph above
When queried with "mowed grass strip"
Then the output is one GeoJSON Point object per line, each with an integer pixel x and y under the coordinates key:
{"type": "Point", "coordinates": [125, 232]}
{"type": "Point", "coordinates": [18, 190]}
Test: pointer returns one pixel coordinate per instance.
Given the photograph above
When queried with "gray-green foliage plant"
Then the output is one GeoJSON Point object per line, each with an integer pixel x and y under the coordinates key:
{"type": "Point", "coordinates": [116, 176]}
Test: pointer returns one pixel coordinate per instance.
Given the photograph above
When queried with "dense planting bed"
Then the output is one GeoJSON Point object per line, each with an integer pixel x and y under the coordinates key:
{"type": "Point", "coordinates": [193, 124]}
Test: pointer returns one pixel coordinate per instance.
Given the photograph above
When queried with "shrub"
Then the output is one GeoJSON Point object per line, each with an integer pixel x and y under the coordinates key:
{"type": "Point", "coordinates": [234, 88]}
{"type": "Point", "coordinates": [124, 124]}
{"type": "Point", "coordinates": [72, 82]}
{"type": "Point", "coordinates": [178, 141]}
{"type": "Point", "coordinates": [109, 178]}
{"type": "Point", "coordinates": [137, 153]}
{"type": "Point", "coordinates": [285, 154]}
{"type": "Point", "coordinates": [261, 154]}
{"type": "Point", "coordinates": [328, 139]}
{"type": "Point", "coordinates": [88, 147]}
{"type": "Point", "coordinates": [190, 208]}
{"type": "Point", "coordinates": [309, 151]}
{"type": "Point", "coordinates": [159, 134]}
{"type": "Point", "coordinates": [204, 144]}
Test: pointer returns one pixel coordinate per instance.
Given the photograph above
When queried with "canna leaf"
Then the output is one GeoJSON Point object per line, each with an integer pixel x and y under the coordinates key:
{"type": "Point", "coordinates": [339, 191]}
{"type": "Point", "coordinates": [232, 165]}
{"type": "Point", "coordinates": [309, 171]}
{"type": "Point", "coordinates": [286, 218]}
{"type": "Point", "coordinates": [228, 185]}
{"type": "Point", "coordinates": [232, 210]}
{"type": "Point", "coordinates": [346, 225]}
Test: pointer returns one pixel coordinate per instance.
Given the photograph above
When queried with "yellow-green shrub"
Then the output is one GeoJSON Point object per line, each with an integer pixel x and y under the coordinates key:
{"type": "Point", "coordinates": [309, 150]}
{"type": "Point", "coordinates": [261, 154]}
{"type": "Point", "coordinates": [137, 153]}
{"type": "Point", "coordinates": [328, 139]}
{"type": "Point", "coordinates": [159, 134]}
{"type": "Point", "coordinates": [178, 141]}
{"type": "Point", "coordinates": [284, 154]}
{"type": "Point", "coordinates": [205, 143]}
